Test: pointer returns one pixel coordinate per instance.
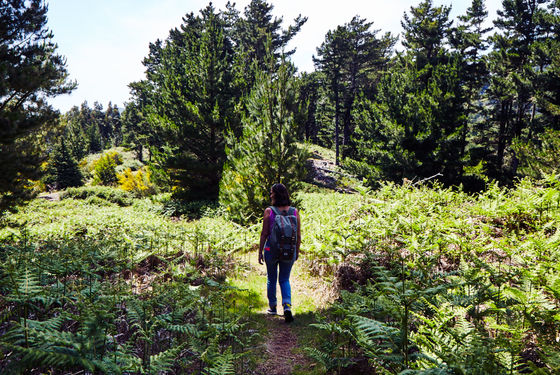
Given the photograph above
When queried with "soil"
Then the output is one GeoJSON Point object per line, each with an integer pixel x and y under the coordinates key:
{"type": "Point", "coordinates": [281, 343]}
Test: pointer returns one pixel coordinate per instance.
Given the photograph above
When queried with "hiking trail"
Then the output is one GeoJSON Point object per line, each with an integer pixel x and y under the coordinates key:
{"type": "Point", "coordinates": [282, 347]}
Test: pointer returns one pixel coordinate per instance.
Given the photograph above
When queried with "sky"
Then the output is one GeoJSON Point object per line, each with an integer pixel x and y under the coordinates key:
{"type": "Point", "coordinates": [105, 41]}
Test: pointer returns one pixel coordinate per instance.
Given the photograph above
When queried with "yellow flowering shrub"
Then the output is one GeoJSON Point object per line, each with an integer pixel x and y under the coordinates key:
{"type": "Point", "coordinates": [137, 182]}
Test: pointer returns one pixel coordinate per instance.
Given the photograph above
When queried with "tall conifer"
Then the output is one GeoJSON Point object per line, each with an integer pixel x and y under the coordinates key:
{"type": "Point", "coordinates": [30, 71]}
{"type": "Point", "coordinates": [350, 59]}
{"type": "Point", "coordinates": [415, 126]}
{"type": "Point", "coordinates": [266, 153]}
{"type": "Point", "coordinates": [514, 70]}
{"type": "Point", "coordinates": [62, 170]}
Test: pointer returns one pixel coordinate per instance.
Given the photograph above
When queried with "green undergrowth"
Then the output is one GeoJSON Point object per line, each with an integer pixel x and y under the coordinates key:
{"type": "Point", "coordinates": [429, 280]}
{"type": "Point", "coordinates": [437, 281]}
{"type": "Point", "coordinates": [96, 286]}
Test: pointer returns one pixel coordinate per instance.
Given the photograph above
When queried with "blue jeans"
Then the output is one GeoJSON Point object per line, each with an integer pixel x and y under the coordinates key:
{"type": "Point", "coordinates": [283, 278]}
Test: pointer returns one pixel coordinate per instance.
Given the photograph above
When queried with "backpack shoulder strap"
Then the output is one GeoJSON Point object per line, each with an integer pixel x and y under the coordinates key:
{"type": "Point", "coordinates": [275, 210]}
{"type": "Point", "coordinates": [292, 211]}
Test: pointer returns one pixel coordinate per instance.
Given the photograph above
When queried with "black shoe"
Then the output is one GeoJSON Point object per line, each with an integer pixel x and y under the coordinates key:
{"type": "Point", "coordinates": [288, 317]}
{"type": "Point", "coordinates": [271, 311]}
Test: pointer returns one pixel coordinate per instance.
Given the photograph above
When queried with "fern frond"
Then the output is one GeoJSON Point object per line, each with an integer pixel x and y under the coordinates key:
{"type": "Point", "coordinates": [28, 285]}
{"type": "Point", "coordinates": [187, 328]}
{"type": "Point", "coordinates": [164, 361]}
{"type": "Point", "coordinates": [37, 356]}
{"type": "Point", "coordinates": [221, 364]}
{"type": "Point", "coordinates": [374, 330]}
{"type": "Point", "coordinates": [52, 324]}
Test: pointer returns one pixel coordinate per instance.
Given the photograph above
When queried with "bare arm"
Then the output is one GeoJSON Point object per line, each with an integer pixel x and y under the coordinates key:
{"type": "Point", "coordinates": [298, 235]}
{"type": "Point", "coordinates": [264, 233]}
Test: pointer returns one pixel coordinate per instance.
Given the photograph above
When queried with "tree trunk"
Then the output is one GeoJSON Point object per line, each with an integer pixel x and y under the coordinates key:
{"type": "Point", "coordinates": [140, 152]}
{"type": "Point", "coordinates": [336, 125]}
{"type": "Point", "coordinates": [502, 135]}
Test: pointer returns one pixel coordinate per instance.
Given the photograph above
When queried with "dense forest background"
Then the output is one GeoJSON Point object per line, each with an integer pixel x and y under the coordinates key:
{"type": "Point", "coordinates": [461, 101]}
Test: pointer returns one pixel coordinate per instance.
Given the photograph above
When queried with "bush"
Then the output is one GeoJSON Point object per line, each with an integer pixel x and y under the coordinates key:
{"type": "Point", "coordinates": [104, 172]}
{"type": "Point", "coordinates": [106, 193]}
{"type": "Point", "coordinates": [190, 209]}
{"type": "Point", "coordinates": [138, 183]}
{"type": "Point", "coordinates": [362, 170]}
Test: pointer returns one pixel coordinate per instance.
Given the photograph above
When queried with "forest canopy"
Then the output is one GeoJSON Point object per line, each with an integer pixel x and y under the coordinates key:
{"type": "Point", "coordinates": [463, 100]}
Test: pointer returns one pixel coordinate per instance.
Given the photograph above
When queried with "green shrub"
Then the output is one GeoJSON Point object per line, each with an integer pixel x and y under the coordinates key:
{"type": "Point", "coordinates": [106, 193]}
{"type": "Point", "coordinates": [363, 171]}
{"type": "Point", "coordinates": [190, 209]}
{"type": "Point", "coordinates": [104, 170]}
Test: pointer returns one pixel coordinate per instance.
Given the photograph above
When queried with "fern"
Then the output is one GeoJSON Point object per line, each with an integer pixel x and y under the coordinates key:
{"type": "Point", "coordinates": [450, 342]}
{"type": "Point", "coordinates": [164, 360]}
{"type": "Point", "coordinates": [28, 292]}
{"type": "Point", "coordinates": [221, 363]}
{"type": "Point", "coordinates": [328, 358]}
{"type": "Point", "coordinates": [379, 341]}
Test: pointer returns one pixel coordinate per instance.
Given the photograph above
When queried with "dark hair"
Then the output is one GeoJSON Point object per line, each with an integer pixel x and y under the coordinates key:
{"type": "Point", "coordinates": [281, 195]}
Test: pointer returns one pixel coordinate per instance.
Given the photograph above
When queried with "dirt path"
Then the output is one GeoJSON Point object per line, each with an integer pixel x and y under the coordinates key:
{"type": "Point", "coordinates": [282, 348]}
{"type": "Point", "coordinates": [281, 344]}
{"type": "Point", "coordinates": [50, 196]}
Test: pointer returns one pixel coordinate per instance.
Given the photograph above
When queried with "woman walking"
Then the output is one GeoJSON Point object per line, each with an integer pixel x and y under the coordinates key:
{"type": "Point", "coordinates": [279, 263]}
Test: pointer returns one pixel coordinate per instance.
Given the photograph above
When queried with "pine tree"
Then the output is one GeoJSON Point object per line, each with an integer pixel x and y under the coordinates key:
{"type": "Point", "coordinates": [189, 99]}
{"type": "Point", "coordinates": [62, 170]}
{"type": "Point", "coordinates": [331, 61]}
{"type": "Point", "coordinates": [425, 32]}
{"type": "Point", "coordinates": [367, 56]}
{"type": "Point", "coordinates": [255, 30]}
{"type": "Point", "coordinates": [469, 42]}
{"type": "Point", "coordinates": [135, 129]}
{"type": "Point", "coordinates": [512, 91]}
{"type": "Point", "coordinates": [30, 71]}
{"type": "Point", "coordinates": [307, 105]}
{"type": "Point", "coordinates": [74, 135]}
{"type": "Point", "coordinates": [351, 58]}
{"type": "Point", "coordinates": [93, 137]}
{"type": "Point", "coordinates": [267, 152]}
{"type": "Point", "coordinates": [104, 126]}
{"type": "Point", "coordinates": [113, 120]}
{"type": "Point", "coordinates": [415, 126]}
{"type": "Point", "coordinates": [547, 52]}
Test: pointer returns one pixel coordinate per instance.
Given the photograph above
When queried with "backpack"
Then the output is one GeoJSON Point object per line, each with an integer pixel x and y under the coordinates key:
{"type": "Point", "coordinates": [283, 236]}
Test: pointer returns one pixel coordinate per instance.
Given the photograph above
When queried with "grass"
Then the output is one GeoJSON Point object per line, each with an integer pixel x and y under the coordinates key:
{"type": "Point", "coordinates": [321, 152]}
